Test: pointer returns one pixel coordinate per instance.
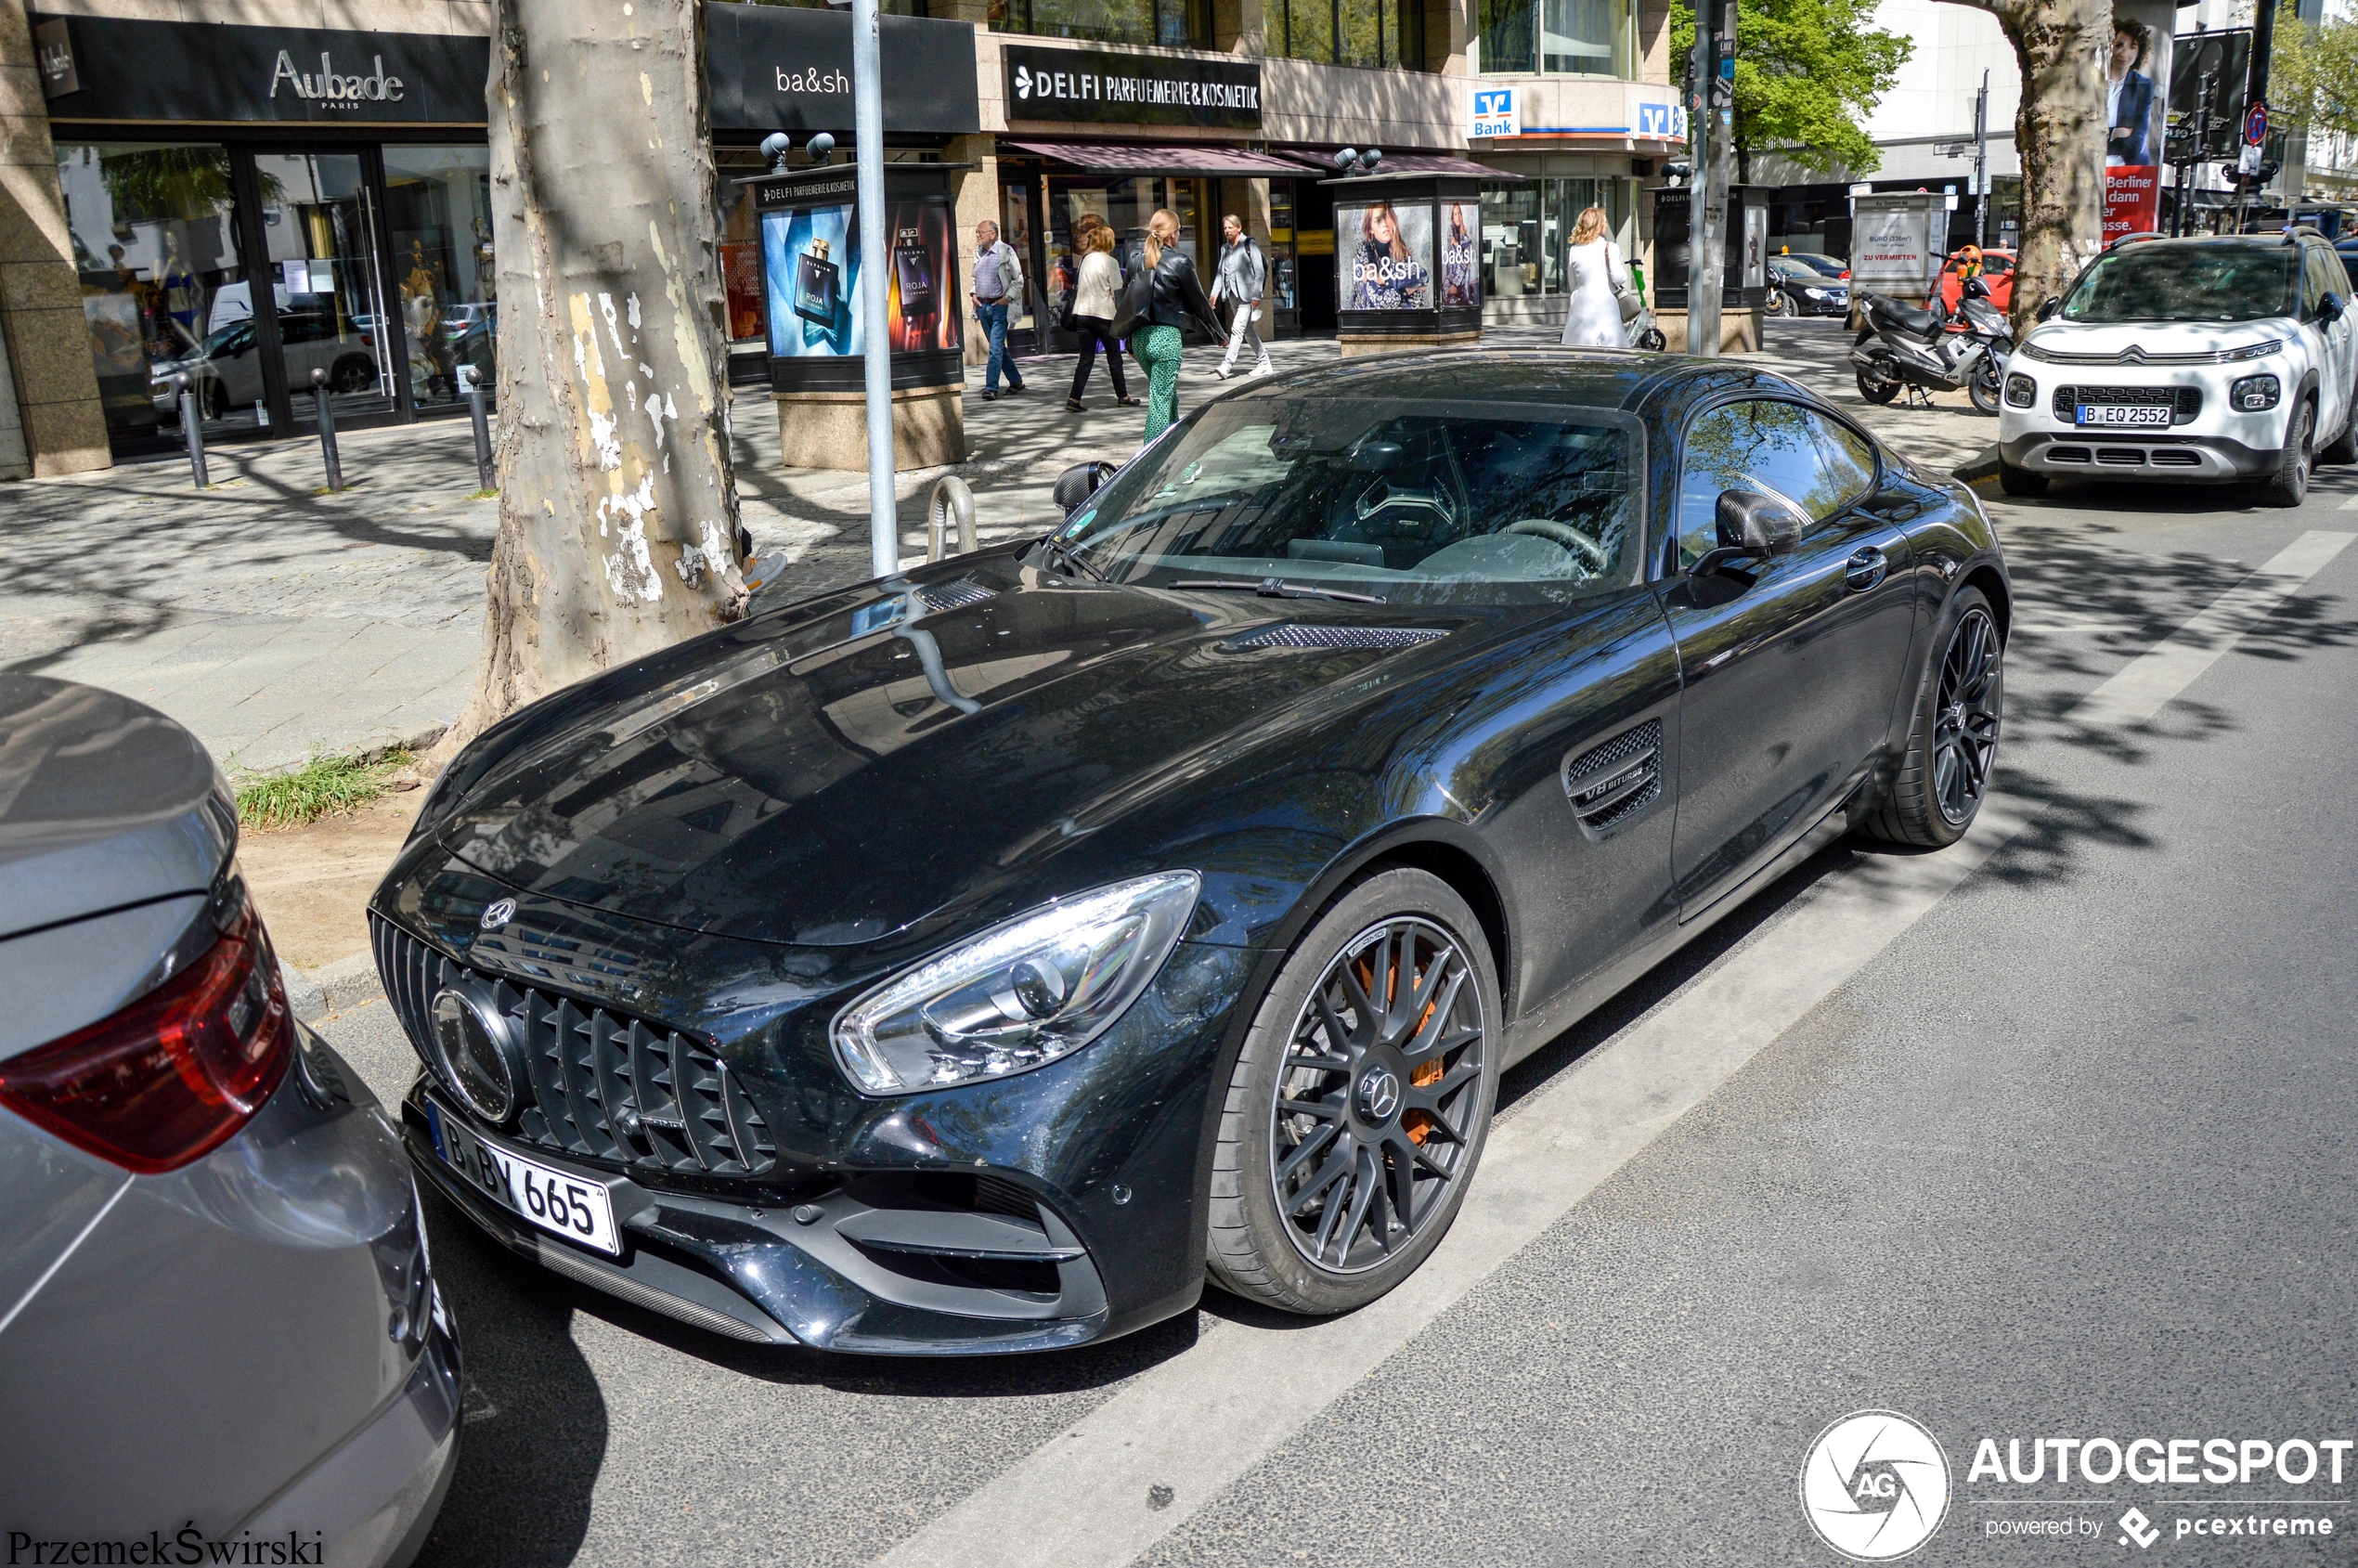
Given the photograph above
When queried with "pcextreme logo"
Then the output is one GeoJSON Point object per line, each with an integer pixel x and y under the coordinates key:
{"type": "Point", "coordinates": [1874, 1486]}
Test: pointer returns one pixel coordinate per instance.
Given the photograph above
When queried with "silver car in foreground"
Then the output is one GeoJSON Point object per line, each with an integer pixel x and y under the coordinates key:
{"type": "Point", "coordinates": [218, 1322]}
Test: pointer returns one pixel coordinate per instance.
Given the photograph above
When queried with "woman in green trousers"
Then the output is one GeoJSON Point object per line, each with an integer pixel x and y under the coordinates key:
{"type": "Point", "coordinates": [1176, 297]}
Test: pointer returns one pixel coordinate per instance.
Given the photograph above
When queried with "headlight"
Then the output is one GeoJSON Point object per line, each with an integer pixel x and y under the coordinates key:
{"type": "Point", "coordinates": [2254, 351]}
{"type": "Point", "coordinates": [2020, 391]}
{"type": "Point", "coordinates": [2255, 394]}
{"type": "Point", "coordinates": [1815, 293]}
{"type": "Point", "coordinates": [1019, 996]}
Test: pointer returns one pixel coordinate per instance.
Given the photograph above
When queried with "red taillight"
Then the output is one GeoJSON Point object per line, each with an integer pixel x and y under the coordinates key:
{"type": "Point", "coordinates": [173, 1076]}
{"type": "Point", "coordinates": [1845, 272]}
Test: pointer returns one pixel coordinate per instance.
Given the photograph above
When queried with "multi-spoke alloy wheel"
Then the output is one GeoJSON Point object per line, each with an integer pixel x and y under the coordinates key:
{"type": "Point", "coordinates": [1940, 782]}
{"type": "Point", "coordinates": [1358, 1105]}
{"type": "Point", "coordinates": [1964, 736]}
{"type": "Point", "coordinates": [1384, 1063]}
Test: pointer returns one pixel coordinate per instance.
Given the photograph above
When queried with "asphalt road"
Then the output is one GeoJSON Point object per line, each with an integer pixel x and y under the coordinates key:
{"type": "Point", "coordinates": [2045, 1137]}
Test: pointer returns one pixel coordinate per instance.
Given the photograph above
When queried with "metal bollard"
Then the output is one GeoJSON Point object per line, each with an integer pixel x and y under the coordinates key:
{"type": "Point", "coordinates": [952, 500]}
{"type": "Point", "coordinates": [327, 431]}
{"type": "Point", "coordinates": [487, 479]}
{"type": "Point", "coordinates": [192, 430]}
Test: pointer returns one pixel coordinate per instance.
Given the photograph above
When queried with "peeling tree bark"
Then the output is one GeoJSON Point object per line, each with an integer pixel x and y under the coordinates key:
{"type": "Point", "coordinates": [617, 507]}
{"type": "Point", "coordinates": [2059, 135]}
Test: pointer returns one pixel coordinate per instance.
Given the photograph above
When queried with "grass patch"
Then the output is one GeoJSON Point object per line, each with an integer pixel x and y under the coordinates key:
{"type": "Point", "coordinates": [324, 786]}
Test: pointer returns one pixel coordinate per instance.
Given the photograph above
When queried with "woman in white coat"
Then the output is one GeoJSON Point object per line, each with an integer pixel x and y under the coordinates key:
{"type": "Point", "coordinates": [1594, 274]}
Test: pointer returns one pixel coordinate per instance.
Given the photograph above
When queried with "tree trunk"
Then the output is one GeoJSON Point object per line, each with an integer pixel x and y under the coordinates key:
{"type": "Point", "coordinates": [617, 507]}
{"type": "Point", "coordinates": [2059, 135]}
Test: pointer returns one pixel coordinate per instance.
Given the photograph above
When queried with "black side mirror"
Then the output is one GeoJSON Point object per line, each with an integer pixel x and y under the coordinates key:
{"type": "Point", "coordinates": [1080, 482]}
{"type": "Point", "coordinates": [2329, 308]}
{"type": "Point", "coordinates": [2047, 308]}
{"type": "Point", "coordinates": [1752, 527]}
{"type": "Point", "coordinates": [1376, 457]}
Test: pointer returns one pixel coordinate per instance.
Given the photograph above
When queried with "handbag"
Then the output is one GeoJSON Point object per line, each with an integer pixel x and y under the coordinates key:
{"type": "Point", "coordinates": [1064, 310]}
{"type": "Point", "coordinates": [1630, 302]}
{"type": "Point", "coordinates": [1131, 305]}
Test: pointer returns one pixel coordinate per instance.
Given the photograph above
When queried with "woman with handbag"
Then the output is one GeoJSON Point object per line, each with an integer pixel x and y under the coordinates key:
{"type": "Point", "coordinates": [1093, 309]}
{"type": "Point", "coordinates": [1603, 300]}
{"type": "Point", "coordinates": [1165, 296]}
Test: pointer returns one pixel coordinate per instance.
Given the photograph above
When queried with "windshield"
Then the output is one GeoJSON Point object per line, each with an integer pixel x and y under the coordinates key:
{"type": "Point", "coordinates": [2163, 282]}
{"type": "Point", "coordinates": [1827, 265]}
{"type": "Point", "coordinates": [1422, 504]}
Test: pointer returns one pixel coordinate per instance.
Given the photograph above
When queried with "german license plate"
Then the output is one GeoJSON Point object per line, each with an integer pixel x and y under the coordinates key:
{"type": "Point", "coordinates": [565, 1205]}
{"type": "Point", "coordinates": [2125, 414]}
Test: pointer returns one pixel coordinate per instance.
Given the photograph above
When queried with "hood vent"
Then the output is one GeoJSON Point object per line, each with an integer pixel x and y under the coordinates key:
{"type": "Point", "coordinates": [1293, 634]}
{"type": "Point", "coordinates": [1612, 783]}
{"type": "Point", "coordinates": [938, 597]}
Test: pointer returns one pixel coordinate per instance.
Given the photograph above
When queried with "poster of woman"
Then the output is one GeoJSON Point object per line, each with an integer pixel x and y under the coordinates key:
{"type": "Point", "coordinates": [1390, 267]}
{"type": "Point", "coordinates": [1460, 269]}
{"type": "Point", "coordinates": [2133, 110]}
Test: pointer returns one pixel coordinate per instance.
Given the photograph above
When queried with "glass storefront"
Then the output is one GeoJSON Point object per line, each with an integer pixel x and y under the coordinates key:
{"type": "Point", "coordinates": [438, 208]}
{"type": "Point", "coordinates": [1123, 204]}
{"type": "Point", "coordinates": [155, 247]}
{"type": "Point", "coordinates": [1525, 227]}
{"type": "Point", "coordinates": [1186, 23]}
{"type": "Point", "coordinates": [248, 269]}
{"type": "Point", "coordinates": [1558, 38]}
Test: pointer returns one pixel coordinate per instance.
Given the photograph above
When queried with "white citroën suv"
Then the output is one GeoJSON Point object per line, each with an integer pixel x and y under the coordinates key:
{"type": "Point", "coordinates": [2201, 359]}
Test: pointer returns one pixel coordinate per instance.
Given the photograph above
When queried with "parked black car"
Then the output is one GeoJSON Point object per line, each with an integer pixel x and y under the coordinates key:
{"type": "Point", "coordinates": [1797, 288]}
{"type": "Point", "coordinates": [956, 962]}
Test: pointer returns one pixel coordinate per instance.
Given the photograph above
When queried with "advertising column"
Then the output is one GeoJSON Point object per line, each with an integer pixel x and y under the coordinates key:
{"type": "Point", "coordinates": [811, 267]}
{"type": "Point", "coordinates": [2135, 115]}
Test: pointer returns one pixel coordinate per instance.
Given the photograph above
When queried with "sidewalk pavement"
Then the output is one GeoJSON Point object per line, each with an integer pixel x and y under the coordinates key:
{"type": "Point", "coordinates": [276, 622]}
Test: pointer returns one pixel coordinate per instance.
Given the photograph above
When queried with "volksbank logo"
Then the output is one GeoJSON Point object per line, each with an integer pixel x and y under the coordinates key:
{"type": "Point", "coordinates": [325, 86]}
{"type": "Point", "coordinates": [1874, 1486]}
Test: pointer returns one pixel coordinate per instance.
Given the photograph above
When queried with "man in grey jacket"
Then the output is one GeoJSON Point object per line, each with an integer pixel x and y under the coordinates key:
{"type": "Point", "coordinates": [998, 285]}
{"type": "Point", "coordinates": [1242, 279]}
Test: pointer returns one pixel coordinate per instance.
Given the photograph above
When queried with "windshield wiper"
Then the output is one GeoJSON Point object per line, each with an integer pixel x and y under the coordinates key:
{"type": "Point", "coordinates": [1065, 554]}
{"type": "Point", "coordinates": [1277, 588]}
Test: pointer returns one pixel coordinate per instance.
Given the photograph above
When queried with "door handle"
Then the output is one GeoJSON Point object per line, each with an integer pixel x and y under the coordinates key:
{"type": "Point", "coordinates": [1865, 568]}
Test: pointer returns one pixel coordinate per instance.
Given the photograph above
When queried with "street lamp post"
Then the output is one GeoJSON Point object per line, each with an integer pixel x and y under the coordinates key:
{"type": "Point", "coordinates": [867, 113]}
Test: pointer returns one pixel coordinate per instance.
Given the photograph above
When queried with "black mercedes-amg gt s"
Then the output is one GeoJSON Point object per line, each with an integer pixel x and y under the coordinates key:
{"type": "Point", "coordinates": [977, 959]}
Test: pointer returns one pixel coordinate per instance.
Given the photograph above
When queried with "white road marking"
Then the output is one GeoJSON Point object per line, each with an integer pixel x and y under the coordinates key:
{"type": "Point", "coordinates": [1196, 1423]}
{"type": "Point", "coordinates": [2138, 690]}
{"type": "Point", "coordinates": [2350, 505]}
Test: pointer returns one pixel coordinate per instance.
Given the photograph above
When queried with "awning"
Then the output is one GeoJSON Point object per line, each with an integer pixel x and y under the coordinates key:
{"type": "Point", "coordinates": [1412, 163]}
{"type": "Point", "coordinates": [1167, 158]}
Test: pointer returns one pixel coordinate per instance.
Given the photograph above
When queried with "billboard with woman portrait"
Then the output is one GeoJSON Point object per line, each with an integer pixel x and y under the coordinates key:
{"type": "Point", "coordinates": [1383, 255]}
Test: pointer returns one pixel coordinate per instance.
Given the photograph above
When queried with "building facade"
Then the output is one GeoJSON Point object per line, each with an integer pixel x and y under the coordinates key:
{"type": "Point", "coordinates": [270, 196]}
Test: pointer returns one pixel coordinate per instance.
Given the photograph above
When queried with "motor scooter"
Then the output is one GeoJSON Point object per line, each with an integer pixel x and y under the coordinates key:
{"type": "Point", "coordinates": [1924, 351]}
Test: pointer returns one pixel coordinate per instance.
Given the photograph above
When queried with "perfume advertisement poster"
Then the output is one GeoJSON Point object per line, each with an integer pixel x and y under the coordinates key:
{"type": "Point", "coordinates": [1383, 256]}
{"type": "Point", "coordinates": [1461, 267]}
{"type": "Point", "coordinates": [811, 267]}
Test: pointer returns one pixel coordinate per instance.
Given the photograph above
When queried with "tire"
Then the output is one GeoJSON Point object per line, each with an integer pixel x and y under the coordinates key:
{"type": "Point", "coordinates": [1652, 341]}
{"type": "Point", "coordinates": [1943, 775]}
{"type": "Point", "coordinates": [2343, 449]}
{"type": "Point", "coordinates": [1982, 386]}
{"type": "Point", "coordinates": [352, 374]}
{"type": "Point", "coordinates": [2287, 484]}
{"type": "Point", "coordinates": [1776, 305]}
{"type": "Point", "coordinates": [1875, 389]}
{"type": "Point", "coordinates": [2020, 480]}
{"type": "Point", "coordinates": [1328, 1254]}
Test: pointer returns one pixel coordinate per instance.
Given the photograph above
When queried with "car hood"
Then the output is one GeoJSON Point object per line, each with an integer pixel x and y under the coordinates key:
{"type": "Point", "coordinates": [2157, 338]}
{"type": "Point", "coordinates": [104, 803]}
{"type": "Point", "coordinates": [826, 778]}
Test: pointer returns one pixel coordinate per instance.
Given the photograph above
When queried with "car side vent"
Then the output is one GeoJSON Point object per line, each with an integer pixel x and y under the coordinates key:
{"type": "Point", "coordinates": [955, 595]}
{"type": "Point", "coordinates": [1293, 634]}
{"type": "Point", "coordinates": [1612, 783]}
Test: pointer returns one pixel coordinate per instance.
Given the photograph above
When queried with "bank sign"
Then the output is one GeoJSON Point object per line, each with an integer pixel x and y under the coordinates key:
{"type": "Point", "coordinates": [1496, 114]}
{"type": "Point", "coordinates": [1101, 86]}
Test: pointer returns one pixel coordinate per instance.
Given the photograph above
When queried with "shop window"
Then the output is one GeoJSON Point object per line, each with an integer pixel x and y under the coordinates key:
{"type": "Point", "coordinates": [887, 7]}
{"type": "Point", "coordinates": [1181, 22]}
{"type": "Point", "coordinates": [156, 253]}
{"type": "Point", "coordinates": [1364, 32]}
{"type": "Point", "coordinates": [1558, 38]}
{"type": "Point", "coordinates": [1526, 226]}
{"type": "Point", "coordinates": [319, 225]}
{"type": "Point", "coordinates": [438, 209]}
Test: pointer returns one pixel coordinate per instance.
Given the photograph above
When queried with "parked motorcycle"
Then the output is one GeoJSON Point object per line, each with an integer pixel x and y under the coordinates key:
{"type": "Point", "coordinates": [1904, 347]}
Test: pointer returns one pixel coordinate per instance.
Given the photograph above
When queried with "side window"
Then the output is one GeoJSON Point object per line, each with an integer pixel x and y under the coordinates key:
{"type": "Point", "coordinates": [2324, 277]}
{"type": "Point", "coordinates": [1779, 448]}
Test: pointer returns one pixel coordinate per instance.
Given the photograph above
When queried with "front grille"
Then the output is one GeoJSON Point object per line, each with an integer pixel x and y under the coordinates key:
{"type": "Point", "coordinates": [2184, 402]}
{"type": "Point", "coordinates": [2173, 457]}
{"type": "Point", "coordinates": [603, 1086]}
{"type": "Point", "coordinates": [1294, 635]}
{"type": "Point", "coordinates": [2067, 454]}
{"type": "Point", "coordinates": [2121, 456]}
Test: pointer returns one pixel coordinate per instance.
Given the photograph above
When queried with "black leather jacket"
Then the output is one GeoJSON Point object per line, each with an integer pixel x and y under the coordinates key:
{"type": "Point", "coordinates": [1178, 297]}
